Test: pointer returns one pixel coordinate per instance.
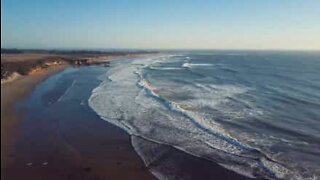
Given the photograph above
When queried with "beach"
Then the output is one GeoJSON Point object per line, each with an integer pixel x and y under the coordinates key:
{"type": "Point", "coordinates": [62, 161]}
{"type": "Point", "coordinates": [50, 132]}
{"type": "Point", "coordinates": [167, 90]}
{"type": "Point", "coordinates": [11, 93]}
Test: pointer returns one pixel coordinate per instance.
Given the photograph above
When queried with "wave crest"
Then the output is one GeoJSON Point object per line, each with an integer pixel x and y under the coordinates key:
{"type": "Point", "coordinates": [132, 103]}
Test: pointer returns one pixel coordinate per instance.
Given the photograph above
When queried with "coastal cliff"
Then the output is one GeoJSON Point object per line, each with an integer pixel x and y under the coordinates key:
{"type": "Point", "coordinates": [16, 63]}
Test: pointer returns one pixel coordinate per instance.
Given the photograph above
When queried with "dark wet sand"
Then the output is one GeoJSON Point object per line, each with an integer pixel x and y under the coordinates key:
{"type": "Point", "coordinates": [67, 140]}
{"type": "Point", "coordinates": [93, 155]}
{"type": "Point", "coordinates": [11, 93]}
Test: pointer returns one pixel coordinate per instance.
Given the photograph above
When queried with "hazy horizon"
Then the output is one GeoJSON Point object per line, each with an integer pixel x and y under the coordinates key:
{"type": "Point", "coordinates": [177, 25]}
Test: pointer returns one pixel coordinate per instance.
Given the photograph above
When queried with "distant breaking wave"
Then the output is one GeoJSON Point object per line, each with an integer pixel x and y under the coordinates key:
{"type": "Point", "coordinates": [190, 65]}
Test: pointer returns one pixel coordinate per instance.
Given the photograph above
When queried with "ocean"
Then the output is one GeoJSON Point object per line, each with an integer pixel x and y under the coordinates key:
{"type": "Point", "coordinates": [255, 113]}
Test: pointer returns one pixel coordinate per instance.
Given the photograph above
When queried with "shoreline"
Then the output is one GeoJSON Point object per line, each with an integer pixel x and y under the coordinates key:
{"type": "Point", "coordinates": [109, 153]}
{"type": "Point", "coordinates": [12, 92]}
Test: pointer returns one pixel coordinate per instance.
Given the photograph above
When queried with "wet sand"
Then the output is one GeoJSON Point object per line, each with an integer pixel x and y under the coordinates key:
{"type": "Point", "coordinates": [58, 136]}
{"type": "Point", "coordinates": [41, 147]}
{"type": "Point", "coordinates": [12, 92]}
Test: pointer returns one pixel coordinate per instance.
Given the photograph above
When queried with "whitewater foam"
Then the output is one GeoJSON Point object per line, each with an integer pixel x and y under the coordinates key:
{"type": "Point", "coordinates": [127, 99]}
{"type": "Point", "coordinates": [190, 65]}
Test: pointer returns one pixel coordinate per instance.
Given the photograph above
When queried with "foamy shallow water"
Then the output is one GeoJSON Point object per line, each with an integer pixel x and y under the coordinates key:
{"type": "Point", "coordinates": [198, 104]}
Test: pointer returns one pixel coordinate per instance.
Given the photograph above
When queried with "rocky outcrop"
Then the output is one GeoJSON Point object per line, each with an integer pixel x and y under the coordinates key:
{"type": "Point", "coordinates": [11, 77]}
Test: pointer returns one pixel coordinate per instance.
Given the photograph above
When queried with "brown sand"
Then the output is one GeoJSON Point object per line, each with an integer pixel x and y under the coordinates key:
{"type": "Point", "coordinates": [110, 156]}
{"type": "Point", "coordinates": [96, 150]}
{"type": "Point", "coordinates": [11, 92]}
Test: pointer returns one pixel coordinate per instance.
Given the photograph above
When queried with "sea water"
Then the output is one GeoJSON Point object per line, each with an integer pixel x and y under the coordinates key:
{"type": "Point", "coordinates": [256, 113]}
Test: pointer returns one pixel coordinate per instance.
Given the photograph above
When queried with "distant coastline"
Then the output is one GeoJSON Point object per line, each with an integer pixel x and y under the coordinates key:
{"type": "Point", "coordinates": [23, 70]}
{"type": "Point", "coordinates": [18, 62]}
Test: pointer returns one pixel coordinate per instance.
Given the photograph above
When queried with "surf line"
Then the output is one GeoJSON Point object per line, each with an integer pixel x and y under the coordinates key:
{"type": "Point", "coordinates": [176, 108]}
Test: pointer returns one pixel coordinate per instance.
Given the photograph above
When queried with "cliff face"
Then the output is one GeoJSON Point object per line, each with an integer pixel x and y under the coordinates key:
{"type": "Point", "coordinates": [11, 77]}
{"type": "Point", "coordinates": [25, 68]}
{"type": "Point", "coordinates": [29, 62]}
{"type": "Point", "coordinates": [4, 72]}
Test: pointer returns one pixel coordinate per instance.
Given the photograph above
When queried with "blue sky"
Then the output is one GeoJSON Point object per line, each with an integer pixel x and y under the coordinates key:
{"type": "Point", "coordinates": [138, 24]}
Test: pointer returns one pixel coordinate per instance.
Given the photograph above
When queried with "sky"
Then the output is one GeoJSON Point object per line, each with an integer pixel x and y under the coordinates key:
{"type": "Point", "coordinates": [160, 24]}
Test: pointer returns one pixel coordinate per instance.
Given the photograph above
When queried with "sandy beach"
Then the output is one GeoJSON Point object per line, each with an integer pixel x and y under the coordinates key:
{"type": "Point", "coordinates": [66, 162]}
{"type": "Point", "coordinates": [12, 92]}
{"type": "Point", "coordinates": [167, 90]}
{"type": "Point", "coordinates": [62, 138]}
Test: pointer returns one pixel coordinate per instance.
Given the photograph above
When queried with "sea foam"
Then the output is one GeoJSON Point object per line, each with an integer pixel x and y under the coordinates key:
{"type": "Point", "coordinates": [128, 100]}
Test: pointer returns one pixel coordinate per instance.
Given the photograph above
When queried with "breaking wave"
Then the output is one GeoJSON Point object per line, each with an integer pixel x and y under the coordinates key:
{"type": "Point", "coordinates": [127, 99]}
